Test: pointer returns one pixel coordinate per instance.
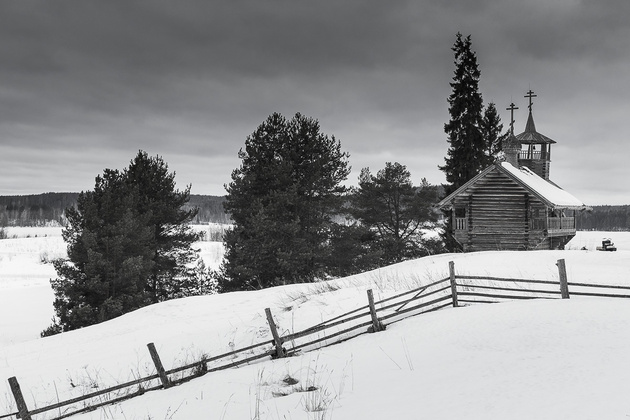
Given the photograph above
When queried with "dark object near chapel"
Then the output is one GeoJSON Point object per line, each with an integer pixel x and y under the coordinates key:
{"type": "Point", "coordinates": [607, 245]}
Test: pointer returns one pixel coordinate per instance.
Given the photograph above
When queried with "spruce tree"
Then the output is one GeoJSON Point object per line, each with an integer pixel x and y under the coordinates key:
{"type": "Point", "coordinates": [281, 200]}
{"type": "Point", "coordinates": [110, 249]}
{"type": "Point", "coordinates": [466, 155]}
{"type": "Point", "coordinates": [128, 246]}
{"type": "Point", "coordinates": [491, 128]}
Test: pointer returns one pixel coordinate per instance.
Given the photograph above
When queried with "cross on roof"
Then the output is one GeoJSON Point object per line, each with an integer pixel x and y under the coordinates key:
{"type": "Point", "coordinates": [530, 95]}
{"type": "Point", "coordinates": [511, 109]}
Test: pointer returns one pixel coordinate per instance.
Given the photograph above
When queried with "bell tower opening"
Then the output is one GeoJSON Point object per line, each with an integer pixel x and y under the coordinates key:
{"type": "Point", "coordinates": [535, 151]}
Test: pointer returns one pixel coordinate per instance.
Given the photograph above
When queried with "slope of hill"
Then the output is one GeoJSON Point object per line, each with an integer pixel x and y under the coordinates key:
{"type": "Point", "coordinates": [517, 360]}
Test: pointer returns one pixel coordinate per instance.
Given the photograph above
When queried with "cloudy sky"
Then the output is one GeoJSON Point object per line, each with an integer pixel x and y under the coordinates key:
{"type": "Point", "coordinates": [85, 84]}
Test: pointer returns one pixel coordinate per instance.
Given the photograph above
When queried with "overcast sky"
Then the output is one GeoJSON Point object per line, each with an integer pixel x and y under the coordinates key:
{"type": "Point", "coordinates": [86, 84]}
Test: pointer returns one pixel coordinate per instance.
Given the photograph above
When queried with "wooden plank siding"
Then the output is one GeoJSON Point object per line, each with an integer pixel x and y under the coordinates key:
{"type": "Point", "coordinates": [498, 216]}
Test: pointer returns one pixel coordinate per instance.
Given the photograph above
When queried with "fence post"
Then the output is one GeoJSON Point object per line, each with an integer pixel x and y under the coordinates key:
{"type": "Point", "coordinates": [158, 365]}
{"type": "Point", "coordinates": [451, 269]}
{"type": "Point", "coordinates": [276, 337]}
{"type": "Point", "coordinates": [19, 399]}
{"type": "Point", "coordinates": [564, 286]}
{"type": "Point", "coordinates": [377, 325]}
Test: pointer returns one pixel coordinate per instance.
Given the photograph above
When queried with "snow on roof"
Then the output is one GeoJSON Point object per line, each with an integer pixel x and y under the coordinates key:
{"type": "Point", "coordinates": [545, 189]}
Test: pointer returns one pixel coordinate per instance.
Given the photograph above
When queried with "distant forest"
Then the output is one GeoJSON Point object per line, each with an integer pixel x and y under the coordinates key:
{"type": "Point", "coordinates": [605, 218]}
{"type": "Point", "coordinates": [48, 209]}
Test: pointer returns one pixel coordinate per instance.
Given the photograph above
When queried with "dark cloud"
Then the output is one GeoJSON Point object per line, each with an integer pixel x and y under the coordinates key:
{"type": "Point", "coordinates": [85, 84]}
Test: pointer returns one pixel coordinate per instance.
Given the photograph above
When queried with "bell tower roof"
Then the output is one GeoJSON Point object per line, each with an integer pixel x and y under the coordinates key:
{"type": "Point", "coordinates": [530, 135]}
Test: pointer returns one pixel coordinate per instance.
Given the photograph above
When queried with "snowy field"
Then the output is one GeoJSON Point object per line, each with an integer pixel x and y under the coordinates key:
{"type": "Point", "coordinates": [518, 360]}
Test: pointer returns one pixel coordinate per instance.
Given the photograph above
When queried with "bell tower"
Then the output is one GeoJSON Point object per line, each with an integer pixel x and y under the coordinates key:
{"type": "Point", "coordinates": [511, 146]}
{"type": "Point", "coordinates": [535, 147]}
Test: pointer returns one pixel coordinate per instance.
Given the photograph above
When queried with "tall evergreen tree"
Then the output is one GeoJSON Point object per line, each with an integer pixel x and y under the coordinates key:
{"type": "Point", "coordinates": [491, 128]}
{"type": "Point", "coordinates": [169, 221]}
{"type": "Point", "coordinates": [466, 155]}
{"type": "Point", "coordinates": [281, 200]}
{"type": "Point", "coordinates": [109, 257]}
{"type": "Point", "coordinates": [395, 210]}
{"type": "Point", "coordinates": [128, 246]}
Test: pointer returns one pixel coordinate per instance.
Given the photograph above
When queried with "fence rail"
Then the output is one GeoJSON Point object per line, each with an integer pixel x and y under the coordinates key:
{"type": "Point", "coordinates": [373, 317]}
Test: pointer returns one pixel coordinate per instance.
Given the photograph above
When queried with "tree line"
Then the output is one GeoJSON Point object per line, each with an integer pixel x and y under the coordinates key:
{"type": "Point", "coordinates": [35, 210]}
{"type": "Point", "coordinates": [50, 209]}
{"type": "Point", "coordinates": [605, 218]}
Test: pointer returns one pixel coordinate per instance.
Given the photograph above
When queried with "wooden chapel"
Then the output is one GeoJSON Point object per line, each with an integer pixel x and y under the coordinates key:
{"type": "Point", "coordinates": [512, 204]}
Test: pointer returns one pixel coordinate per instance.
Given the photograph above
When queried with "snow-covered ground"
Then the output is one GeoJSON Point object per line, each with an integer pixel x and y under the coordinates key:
{"type": "Point", "coordinates": [518, 360]}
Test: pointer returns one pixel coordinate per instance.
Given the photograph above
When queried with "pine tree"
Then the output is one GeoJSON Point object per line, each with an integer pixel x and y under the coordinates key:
{"type": "Point", "coordinates": [281, 200]}
{"type": "Point", "coordinates": [128, 246]}
{"type": "Point", "coordinates": [391, 206]}
{"type": "Point", "coordinates": [466, 155]}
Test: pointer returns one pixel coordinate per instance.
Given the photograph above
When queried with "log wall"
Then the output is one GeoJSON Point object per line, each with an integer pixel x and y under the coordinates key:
{"type": "Point", "coordinates": [498, 214]}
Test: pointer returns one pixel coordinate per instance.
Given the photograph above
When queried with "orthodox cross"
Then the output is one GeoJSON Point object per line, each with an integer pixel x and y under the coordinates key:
{"type": "Point", "coordinates": [530, 95]}
{"type": "Point", "coordinates": [511, 109]}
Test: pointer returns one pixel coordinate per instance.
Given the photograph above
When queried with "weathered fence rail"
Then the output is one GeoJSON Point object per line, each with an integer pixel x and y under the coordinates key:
{"type": "Point", "coordinates": [504, 289]}
{"type": "Point", "coordinates": [373, 317]}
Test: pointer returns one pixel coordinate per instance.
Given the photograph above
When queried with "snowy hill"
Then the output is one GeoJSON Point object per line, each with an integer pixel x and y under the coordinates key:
{"type": "Point", "coordinates": [517, 360]}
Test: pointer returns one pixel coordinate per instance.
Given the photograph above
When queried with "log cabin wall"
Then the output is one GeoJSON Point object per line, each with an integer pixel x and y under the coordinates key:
{"type": "Point", "coordinates": [498, 216]}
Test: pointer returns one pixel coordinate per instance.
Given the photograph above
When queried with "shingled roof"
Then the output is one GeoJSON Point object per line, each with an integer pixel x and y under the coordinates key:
{"type": "Point", "coordinates": [530, 135]}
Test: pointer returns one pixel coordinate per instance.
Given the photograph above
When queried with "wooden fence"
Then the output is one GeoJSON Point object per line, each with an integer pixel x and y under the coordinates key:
{"type": "Point", "coordinates": [375, 316]}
